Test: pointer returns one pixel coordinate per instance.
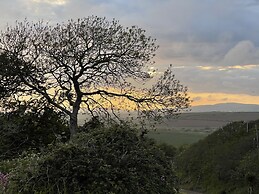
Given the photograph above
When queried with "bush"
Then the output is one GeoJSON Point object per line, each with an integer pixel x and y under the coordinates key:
{"type": "Point", "coordinates": [107, 160]}
{"type": "Point", "coordinates": [169, 150]}
{"type": "Point", "coordinates": [23, 131]}
{"type": "Point", "coordinates": [3, 182]}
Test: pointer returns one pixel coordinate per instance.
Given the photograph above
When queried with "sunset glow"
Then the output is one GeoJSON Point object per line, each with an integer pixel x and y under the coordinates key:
{"type": "Point", "coordinates": [215, 98]}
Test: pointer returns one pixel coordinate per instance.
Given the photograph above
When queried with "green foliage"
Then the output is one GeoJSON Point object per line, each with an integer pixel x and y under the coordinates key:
{"type": "Point", "coordinates": [249, 170]}
{"type": "Point", "coordinates": [105, 160]}
{"type": "Point", "coordinates": [169, 150]}
{"type": "Point", "coordinates": [225, 161]}
{"type": "Point", "coordinates": [24, 131]}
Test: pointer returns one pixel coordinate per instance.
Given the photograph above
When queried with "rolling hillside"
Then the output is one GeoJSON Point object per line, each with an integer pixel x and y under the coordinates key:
{"type": "Point", "coordinates": [224, 162]}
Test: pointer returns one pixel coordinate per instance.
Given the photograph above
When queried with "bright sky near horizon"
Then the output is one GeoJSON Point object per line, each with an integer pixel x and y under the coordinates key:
{"type": "Point", "coordinates": [213, 44]}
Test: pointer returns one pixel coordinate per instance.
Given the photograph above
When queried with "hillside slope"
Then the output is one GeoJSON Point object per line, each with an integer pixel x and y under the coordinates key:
{"type": "Point", "coordinates": [224, 162]}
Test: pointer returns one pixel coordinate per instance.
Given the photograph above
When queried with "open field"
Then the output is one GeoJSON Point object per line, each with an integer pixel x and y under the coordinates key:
{"type": "Point", "coordinates": [189, 128]}
{"type": "Point", "coordinates": [209, 120]}
{"type": "Point", "coordinates": [176, 138]}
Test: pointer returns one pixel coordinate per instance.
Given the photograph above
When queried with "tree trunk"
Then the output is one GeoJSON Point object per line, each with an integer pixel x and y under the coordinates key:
{"type": "Point", "coordinates": [73, 127]}
{"type": "Point", "coordinates": [73, 124]}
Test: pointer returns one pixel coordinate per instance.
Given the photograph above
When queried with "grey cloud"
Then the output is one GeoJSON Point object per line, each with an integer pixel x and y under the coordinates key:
{"type": "Point", "coordinates": [190, 33]}
{"type": "Point", "coordinates": [11, 11]}
{"type": "Point", "coordinates": [33, 10]}
{"type": "Point", "coordinates": [252, 3]}
{"type": "Point", "coordinates": [167, 20]}
{"type": "Point", "coordinates": [195, 51]}
{"type": "Point", "coordinates": [236, 81]}
{"type": "Point", "coordinates": [244, 52]}
{"type": "Point", "coordinates": [197, 32]}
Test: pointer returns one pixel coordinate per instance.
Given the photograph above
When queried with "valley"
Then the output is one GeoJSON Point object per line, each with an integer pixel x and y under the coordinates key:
{"type": "Point", "coordinates": [188, 128]}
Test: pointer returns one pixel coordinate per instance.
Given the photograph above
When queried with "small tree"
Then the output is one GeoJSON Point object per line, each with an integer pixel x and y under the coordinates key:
{"type": "Point", "coordinates": [87, 64]}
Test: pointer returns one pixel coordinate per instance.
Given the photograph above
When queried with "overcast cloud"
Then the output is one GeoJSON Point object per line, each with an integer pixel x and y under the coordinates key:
{"type": "Point", "coordinates": [213, 44]}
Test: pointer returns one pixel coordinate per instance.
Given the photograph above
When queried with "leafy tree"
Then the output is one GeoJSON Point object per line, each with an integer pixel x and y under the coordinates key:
{"type": "Point", "coordinates": [88, 64]}
{"type": "Point", "coordinates": [105, 160]}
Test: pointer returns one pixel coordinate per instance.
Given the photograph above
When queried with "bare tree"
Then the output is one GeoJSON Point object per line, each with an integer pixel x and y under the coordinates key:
{"type": "Point", "coordinates": [87, 65]}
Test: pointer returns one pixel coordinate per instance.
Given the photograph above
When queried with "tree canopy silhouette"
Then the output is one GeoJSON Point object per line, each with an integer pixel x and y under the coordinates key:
{"type": "Point", "coordinates": [84, 65]}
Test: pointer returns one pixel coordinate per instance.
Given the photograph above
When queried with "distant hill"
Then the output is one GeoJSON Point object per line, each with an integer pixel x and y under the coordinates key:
{"type": "Point", "coordinates": [227, 107]}
{"type": "Point", "coordinates": [212, 116]}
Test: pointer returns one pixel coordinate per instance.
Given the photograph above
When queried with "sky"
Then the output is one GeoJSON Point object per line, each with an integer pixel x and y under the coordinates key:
{"type": "Point", "coordinates": [213, 45]}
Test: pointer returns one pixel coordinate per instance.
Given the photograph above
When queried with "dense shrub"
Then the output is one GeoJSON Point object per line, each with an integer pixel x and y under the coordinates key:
{"type": "Point", "coordinates": [3, 182]}
{"type": "Point", "coordinates": [107, 160]}
{"type": "Point", "coordinates": [169, 150]}
{"type": "Point", "coordinates": [22, 131]}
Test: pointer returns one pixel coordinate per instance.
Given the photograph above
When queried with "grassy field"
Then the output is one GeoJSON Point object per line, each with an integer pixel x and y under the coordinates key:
{"type": "Point", "coordinates": [177, 138]}
{"type": "Point", "coordinates": [189, 128]}
{"type": "Point", "coordinates": [209, 120]}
